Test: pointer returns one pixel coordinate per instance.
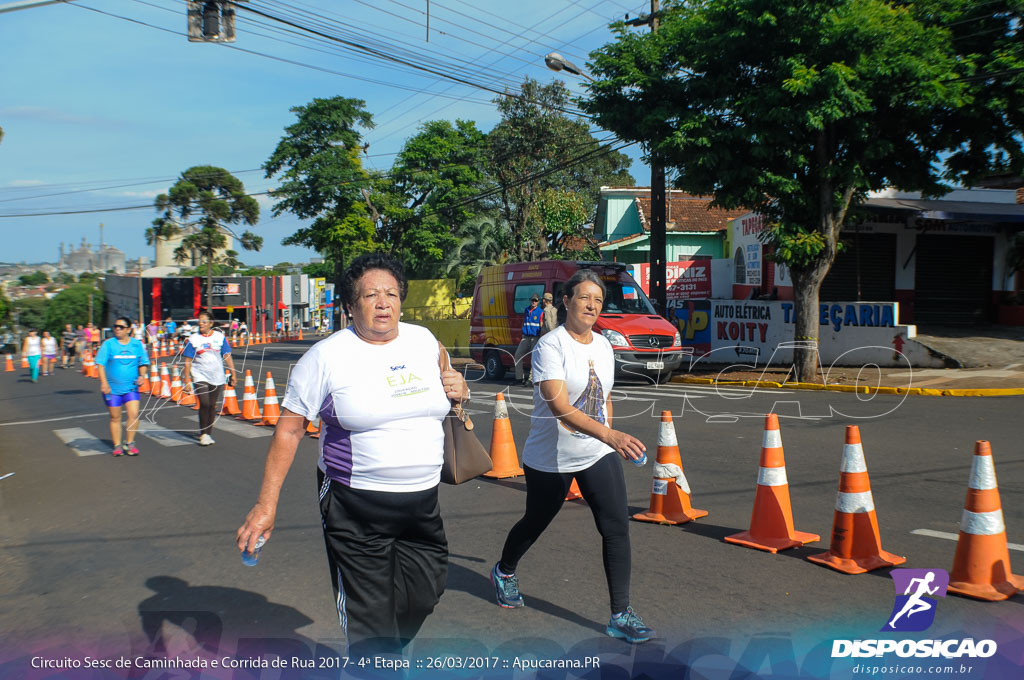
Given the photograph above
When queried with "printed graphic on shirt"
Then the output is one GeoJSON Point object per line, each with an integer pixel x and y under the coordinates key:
{"type": "Point", "coordinates": [404, 383]}
{"type": "Point", "coordinates": [590, 402]}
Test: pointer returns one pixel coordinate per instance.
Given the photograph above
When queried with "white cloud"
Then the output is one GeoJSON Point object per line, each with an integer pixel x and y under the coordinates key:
{"type": "Point", "coordinates": [140, 194]}
{"type": "Point", "coordinates": [25, 183]}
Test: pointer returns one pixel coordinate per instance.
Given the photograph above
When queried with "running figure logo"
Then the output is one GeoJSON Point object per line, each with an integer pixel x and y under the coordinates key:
{"type": "Point", "coordinates": [913, 610]}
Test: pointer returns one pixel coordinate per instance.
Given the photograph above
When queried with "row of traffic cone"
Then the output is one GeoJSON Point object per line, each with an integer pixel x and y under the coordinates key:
{"type": "Point", "coordinates": [981, 564]}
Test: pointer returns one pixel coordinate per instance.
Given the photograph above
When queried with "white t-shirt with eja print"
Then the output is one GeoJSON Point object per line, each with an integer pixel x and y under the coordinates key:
{"type": "Point", "coordinates": [589, 374]}
{"type": "Point", "coordinates": [380, 408]}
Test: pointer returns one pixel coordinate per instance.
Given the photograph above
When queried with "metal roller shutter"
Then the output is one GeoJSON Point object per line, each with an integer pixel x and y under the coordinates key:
{"type": "Point", "coordinates": [877, 265]}
{"type": "Point", "coordinates": [953, 279]}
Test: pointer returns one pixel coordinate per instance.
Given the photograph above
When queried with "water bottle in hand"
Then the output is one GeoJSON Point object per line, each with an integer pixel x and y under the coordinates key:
{"type": "Point", "coordinates": [251, 559]}
{"type": "Point", "coordinates": [641, 461]}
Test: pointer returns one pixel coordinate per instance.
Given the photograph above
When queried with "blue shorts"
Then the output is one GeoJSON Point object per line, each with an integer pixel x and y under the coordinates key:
{"type": "Point", "coordinates": [120, 399]}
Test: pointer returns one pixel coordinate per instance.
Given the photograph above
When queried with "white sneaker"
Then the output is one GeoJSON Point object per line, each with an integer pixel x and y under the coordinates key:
{"type": "Point", "coordinates": [205, 440]}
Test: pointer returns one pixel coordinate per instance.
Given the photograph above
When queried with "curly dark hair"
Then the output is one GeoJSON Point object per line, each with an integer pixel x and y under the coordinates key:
{"type": "Point", "coordinates": [365, 263]}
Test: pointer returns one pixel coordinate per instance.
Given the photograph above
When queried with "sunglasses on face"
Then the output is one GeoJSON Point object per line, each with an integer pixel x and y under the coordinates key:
{"type": "Point", "coordinates": [121, 326]}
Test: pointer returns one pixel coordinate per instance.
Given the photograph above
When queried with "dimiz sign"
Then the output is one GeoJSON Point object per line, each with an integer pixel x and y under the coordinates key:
{"type": "Point", "coordinates": [850, 333]}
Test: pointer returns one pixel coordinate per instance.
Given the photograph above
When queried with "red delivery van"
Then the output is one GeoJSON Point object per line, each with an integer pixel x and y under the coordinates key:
{"type": "Point", "coordinates": [645, 344]}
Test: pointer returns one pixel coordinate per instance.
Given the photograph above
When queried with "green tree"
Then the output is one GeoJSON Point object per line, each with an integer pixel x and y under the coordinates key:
{"type": "Point", "coordinates": [5, 306]}
{"type": "Point", "coordinates": [216, 198]}
{"type": "Point", "coordinates": [36, 278]}
{"type": "Point", "coordinates": [30, 312]}
{"type": "Point", "coordinates": [322, 177]}
{"type": "Point", "coordinates": [319, 270]}
{"type": "Point", "coordinates": [65, 278]}
{"type": "Point", "coordinates": [479, 245]}
{"type": "Point", "coordinates": [535, 147]}
{"type": "Point", "coordinates": [426, 196]}
{"type": "Point", "coordinates": [564, 215]}
{"type": "Point", "coordinates": [798, 109]}
{"type": "Point", "coordinates": [71, 305]}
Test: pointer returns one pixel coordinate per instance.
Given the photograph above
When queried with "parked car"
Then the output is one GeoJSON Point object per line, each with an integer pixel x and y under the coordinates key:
{"type": "Point", "coordinates": [645, 344]}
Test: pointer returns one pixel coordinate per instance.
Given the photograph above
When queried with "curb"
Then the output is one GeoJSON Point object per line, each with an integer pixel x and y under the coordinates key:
{"type": "Point", "coordinates": [856, 389]}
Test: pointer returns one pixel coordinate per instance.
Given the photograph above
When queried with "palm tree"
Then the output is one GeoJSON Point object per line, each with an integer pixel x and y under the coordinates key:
{"type": "Point", "coordinates": [479, 246]}
{"type": "Point", "coordinates": [216, 198]}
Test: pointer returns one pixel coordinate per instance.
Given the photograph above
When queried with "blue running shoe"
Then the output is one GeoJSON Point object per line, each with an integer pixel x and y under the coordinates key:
{"type": "Point", "coordinates": [506, 589]}
{"type": "Point", "coordinates": [630, 627]}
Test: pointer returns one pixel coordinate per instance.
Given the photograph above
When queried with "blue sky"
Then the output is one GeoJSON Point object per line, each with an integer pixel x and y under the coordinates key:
{"type": "Point", "coordinates": [101, 111]}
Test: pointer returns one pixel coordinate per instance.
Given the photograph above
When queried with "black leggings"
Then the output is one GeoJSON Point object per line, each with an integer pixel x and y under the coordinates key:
{"type": "Point", "coordinates": [208, 396]}
{"type": "Point", "coordinates": [604, 488]}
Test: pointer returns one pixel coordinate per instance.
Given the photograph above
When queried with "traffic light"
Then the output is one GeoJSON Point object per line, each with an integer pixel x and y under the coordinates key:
{"type": "Point", "coordinates": [211, 20]}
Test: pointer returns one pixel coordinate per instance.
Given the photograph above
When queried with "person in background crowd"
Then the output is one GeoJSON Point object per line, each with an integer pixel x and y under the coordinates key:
{"type": "Point", "coordinates": [279, 327]}
{"type": "Point", "coordinates": [243, 328]}
{"type": "Point", "coordinates": [94, 337]}
{"type": "Point", "coordinates": [81, 342]}
{"type": "Point", "coordinates": [234, 325]}
{"type": "Point", "coordinates": [139, 331]}
{"type": "Point", "coordinates": [381, 450]}
{"type": "Point", "coordinates": [531, 332]}
{"type": "Point", "coordinates": [550, 321]}
{"type": "Point", "coordinates": [571, 438]}
{"type": "Point", "coordinates": [68, 341]}
{"type": "Point", "coordinates": [206, 353]}
{"type": "Point", "coordinates": [122, 363]}
{"type": "Point", "coordinates": [153, 332]}
{"type": "Point", "coordinates": [170, 328]}
{"type": "Point", "coordinates": [32, 351]}
{"type": "Point", "coordinates": [49, 353]}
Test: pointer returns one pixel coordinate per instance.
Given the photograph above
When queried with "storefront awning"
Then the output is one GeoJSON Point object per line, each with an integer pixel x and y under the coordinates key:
{"type": "Point", "coordinates": [952, 210]}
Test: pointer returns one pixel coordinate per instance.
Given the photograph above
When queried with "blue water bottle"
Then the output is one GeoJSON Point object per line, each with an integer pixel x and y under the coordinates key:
{"type": "Point", "coordinates": [251, 559]}
{"type": "Point", "coordinates": [641, 461]}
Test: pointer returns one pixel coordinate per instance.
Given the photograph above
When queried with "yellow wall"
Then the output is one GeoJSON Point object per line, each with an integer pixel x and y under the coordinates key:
{"type": "Point", "coordinates": [452, 333]}
{"type": "Point", "coordinates": [431, 299]}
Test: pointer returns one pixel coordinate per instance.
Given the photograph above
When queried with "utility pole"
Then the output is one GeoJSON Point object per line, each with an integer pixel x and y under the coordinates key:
{"type": "Point", "coordinates": [658, 288]}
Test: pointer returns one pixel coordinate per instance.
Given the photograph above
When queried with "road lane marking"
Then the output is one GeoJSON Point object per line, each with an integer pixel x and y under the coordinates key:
{"type": "Point", "coordinates": [248, 431]}
{"type": "Point", "coordinates": [956, 537]}
{"type": "Point", "coordinates": [51, 420]}
{"type": "Point", "coordinates": [81, 442]}
{"type": "Point", "coordinates": [163, 436]}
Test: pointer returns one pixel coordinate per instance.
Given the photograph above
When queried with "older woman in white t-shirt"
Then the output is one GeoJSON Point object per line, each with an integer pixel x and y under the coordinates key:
{"type": "Point", "coordinates": [380, 394]}
{"type": "Point", "coordinates": [571, 437]}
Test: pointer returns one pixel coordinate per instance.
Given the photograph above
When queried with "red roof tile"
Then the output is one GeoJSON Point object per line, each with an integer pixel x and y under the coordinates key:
{"type": "Point", "coordinates": [685, 212]}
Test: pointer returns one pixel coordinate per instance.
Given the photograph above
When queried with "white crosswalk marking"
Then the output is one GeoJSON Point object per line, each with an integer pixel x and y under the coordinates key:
{"type": "Point", "coordinates": [82, 443]}
{"type": "Point", "coordinates": [165, 437]}
{"type": "Point", "coordinates": [228, 424]}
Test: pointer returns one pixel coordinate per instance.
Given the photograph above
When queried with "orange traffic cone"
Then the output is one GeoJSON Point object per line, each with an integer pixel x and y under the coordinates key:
{"type": "Point", "coordinates": [230, 407]}
{"type": "Point", "coordinates": [271, 409]}
{"type": "Point", "coordinates": [24, 361]}
{"type": "Point", "coordinates": [771, 523]}
{"type": "Point", "coordinates": [165, 382]}
{"type": "Point", "coordinates": [146, 385]}
{"type": "Point", "coordinates": [981, 565]}
{"type": "Point", "coordinates": [670, 495]}
{"type": "Point", "coordinates": [10, 365]}
{"type": "Point", "coordinates": [94, 371]}
{"type": "Point", "coordinates": [574, 491]}
{"type": "Point", "coordinates": [504, 459]}
{"type": "Point", "coordinates": [85, 362]}
{"type": "Point", "coordinates": [856, 546]}
{"type": "Point", "coordinates": [188, 396]}
{"type": "Point", "coordinates": [300, 333]}
{"type": "Point", "coordinates": [313, 429]}
{"type": "Point", "coordinates": [175, 385]}
{"type": "Point", "coordinates": [250, 407]}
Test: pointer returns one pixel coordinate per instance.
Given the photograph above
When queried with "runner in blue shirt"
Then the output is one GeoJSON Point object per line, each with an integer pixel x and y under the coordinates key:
{"type": "Point", "coordinates": [532, 317]}
{"type": "Point", "coordinates": [122, 364]}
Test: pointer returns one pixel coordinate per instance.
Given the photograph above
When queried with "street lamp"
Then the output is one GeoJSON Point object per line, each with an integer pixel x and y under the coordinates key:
{"type": "Point", "coordinates": [658, 246]}
{"type": "Point", "coordinates": [556, 62]}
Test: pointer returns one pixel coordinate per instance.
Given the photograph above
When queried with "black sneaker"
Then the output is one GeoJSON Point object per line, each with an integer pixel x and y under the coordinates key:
{"type": "Point", "coordinates": [630, 627]}
{"type": "Point", "coordinates": [506, 589]}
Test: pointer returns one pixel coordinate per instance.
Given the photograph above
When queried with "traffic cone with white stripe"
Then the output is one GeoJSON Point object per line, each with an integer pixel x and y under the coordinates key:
{"type": "Point", "coordinates": [230, 407]}
{"type": "Point", "coordinates": [250, 407]}
{"type": "Point", "coordinates": [574, 491]}
{"type": "Point", "coordinates": [670, 495]}
{"type": "Point", "coordinates": [147, 382]}
{"type": "Point", "coordinates": [856, 546]}
{"type": "Point", "coordinates": [175, 385]}
{"type": "Point", "coordinates": [771, 523]}
{"type": "Point", "coordinates": [165, 382]}
{"type": "Point", "coordinates": [94, 370]}
{"type": "Point", "coordinates": [24, 362]}
{"type": "Point", "coordinates": [313, 429]}
{"type": "Point", "coordinates": [271, 409]}
{"type": "Point", "coordinates": [85, 362]}
{"type": "Point", "coordinates": [981, 565]}
{"type": "Point", "coordinates": [10, 365]}
{"type": "Point", "coordinates": [504, 459]}
{"type": "Point", "coordinates": [188, 396]}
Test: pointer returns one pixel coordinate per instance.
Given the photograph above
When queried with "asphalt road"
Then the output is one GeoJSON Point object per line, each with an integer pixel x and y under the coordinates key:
{"type": "Point", "coordinates": [113, 556]}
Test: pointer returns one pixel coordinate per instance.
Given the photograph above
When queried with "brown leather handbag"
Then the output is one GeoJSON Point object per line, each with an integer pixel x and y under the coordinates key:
{"type": "Point", "coordinates": [464, 456]}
